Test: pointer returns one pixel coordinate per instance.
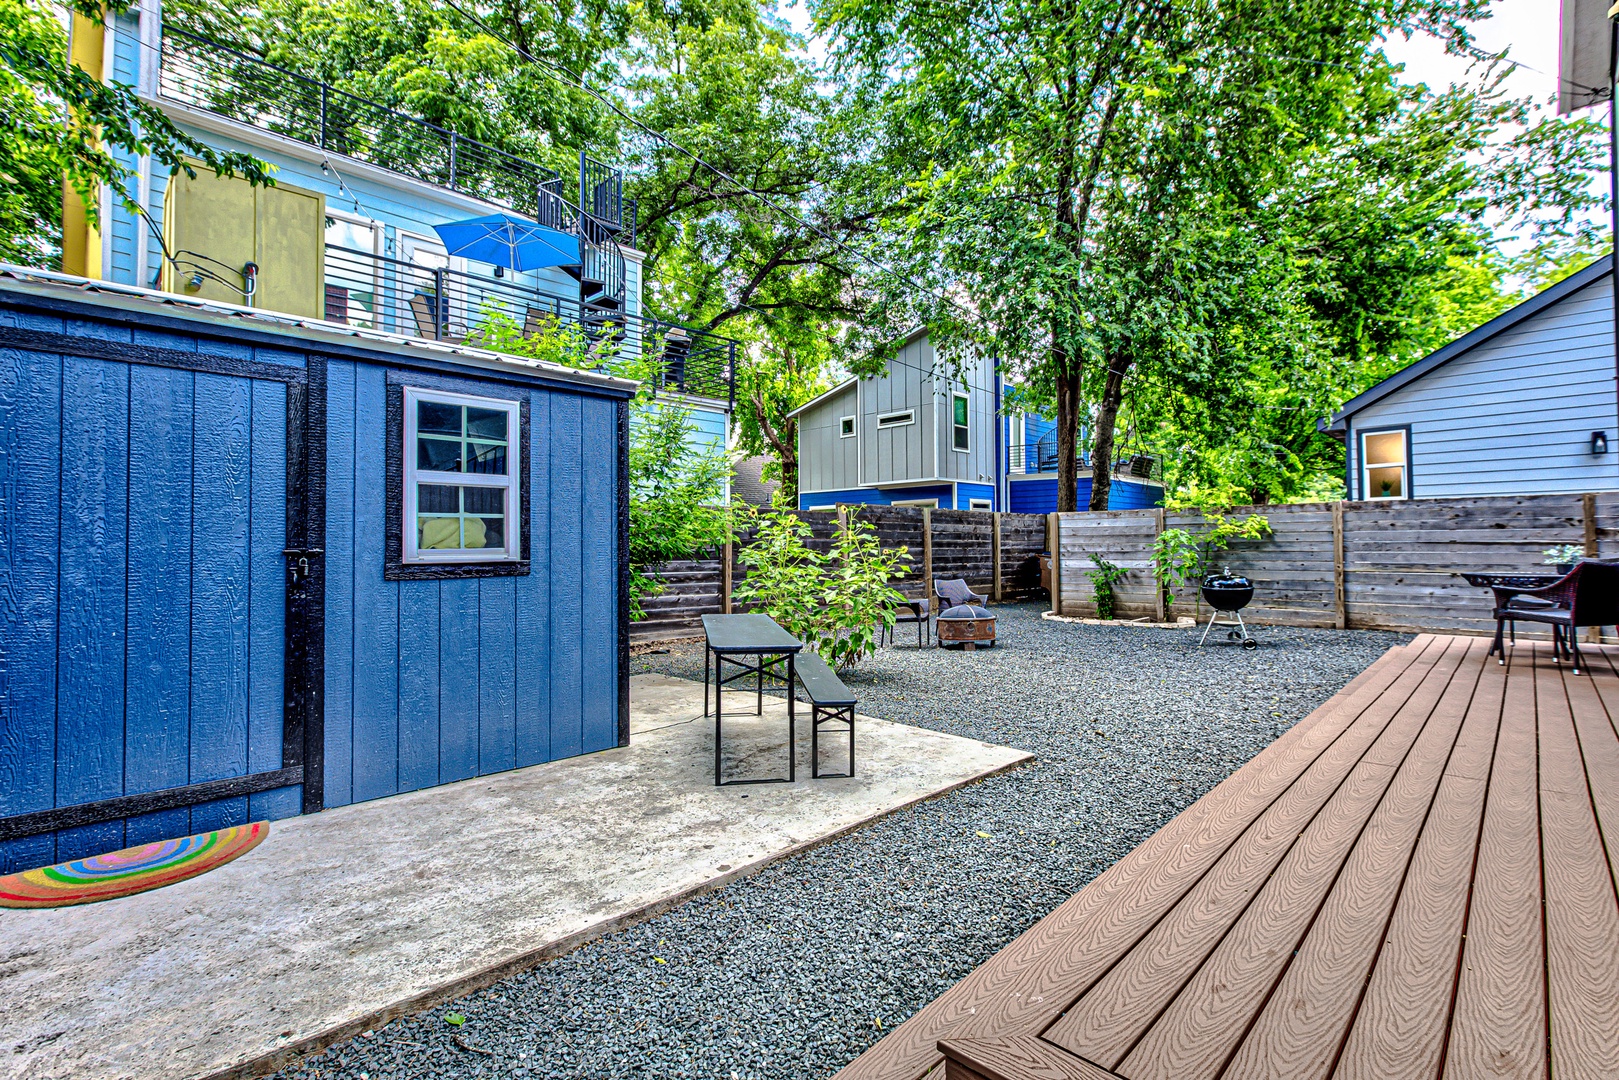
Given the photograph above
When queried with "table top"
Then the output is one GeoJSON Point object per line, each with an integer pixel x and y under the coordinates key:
{"type": "Point", "coordinates": [1511, 581]}
{"type": "Point", "coordinates": [748, 633]}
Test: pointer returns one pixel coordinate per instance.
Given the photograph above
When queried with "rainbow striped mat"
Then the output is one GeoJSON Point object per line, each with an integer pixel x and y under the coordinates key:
{"type": "Point", "coordinates": [132, 870]}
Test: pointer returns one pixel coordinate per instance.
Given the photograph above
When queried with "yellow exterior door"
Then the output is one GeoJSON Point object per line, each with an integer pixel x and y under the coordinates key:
{"type": "Point", "coordinates": [216, 225]}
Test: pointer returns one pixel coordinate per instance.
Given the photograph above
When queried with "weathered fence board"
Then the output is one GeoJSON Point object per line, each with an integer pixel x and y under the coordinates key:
{"type": "Point", "coordinates": [1369, 565]}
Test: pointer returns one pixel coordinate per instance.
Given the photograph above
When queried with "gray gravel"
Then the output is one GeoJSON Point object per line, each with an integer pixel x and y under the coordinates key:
{"type": "Point", "coordinates": [796, 970]}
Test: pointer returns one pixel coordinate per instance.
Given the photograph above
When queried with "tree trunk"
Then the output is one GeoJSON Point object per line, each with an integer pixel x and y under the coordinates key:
{"type": "Point", "coordinates": [1107, 415]}
{"type": "Point", "coordinates": [1068, 406]}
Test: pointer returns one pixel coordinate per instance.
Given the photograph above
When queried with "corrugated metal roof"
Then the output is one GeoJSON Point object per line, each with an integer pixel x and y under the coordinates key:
{"type": "Point", "coordinates": [318, 334]}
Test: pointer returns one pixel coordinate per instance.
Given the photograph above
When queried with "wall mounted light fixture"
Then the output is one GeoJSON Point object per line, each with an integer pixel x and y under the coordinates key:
{"type": "Point", "coordinates": [1599, 442]}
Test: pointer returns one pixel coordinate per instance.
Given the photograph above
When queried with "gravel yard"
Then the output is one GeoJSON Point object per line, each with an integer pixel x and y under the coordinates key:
{"type": "Point", "coordinates": [796, 970]}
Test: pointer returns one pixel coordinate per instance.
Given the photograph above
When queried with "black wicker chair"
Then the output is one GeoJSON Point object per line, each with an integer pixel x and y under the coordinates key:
{"type": "Point", "coordinates": [1588, 595]}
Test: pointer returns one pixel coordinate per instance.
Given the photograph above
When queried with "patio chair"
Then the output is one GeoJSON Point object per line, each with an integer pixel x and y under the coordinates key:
{"type": "Point", "coordinates": [914, 611]}
{"type": "Point", "coordinates": [1587, 595]}
{"type": "Point", "coordinates": [953, 591]}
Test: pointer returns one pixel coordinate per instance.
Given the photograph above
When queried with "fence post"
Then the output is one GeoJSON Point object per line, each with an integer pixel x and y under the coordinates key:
{"type": "Point", "coordinates": [927, 555]}
{"type": "Point", "coordinates": [1340, 607]}
{"type": "Point", "coordinates": [1054, 545]}
{"type": "Point", "coordinates": [725, 576]}
{"type": "Point", "coordinates": [995, 554]}
{"type": "Point", "coordinates": [1157, 586]}
{"type": "Point", "coordinates": [1588, 505]}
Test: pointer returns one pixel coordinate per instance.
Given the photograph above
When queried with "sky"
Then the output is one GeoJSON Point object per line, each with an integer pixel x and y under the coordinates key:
{"type": "Point", "coordinates": [1528, 28]}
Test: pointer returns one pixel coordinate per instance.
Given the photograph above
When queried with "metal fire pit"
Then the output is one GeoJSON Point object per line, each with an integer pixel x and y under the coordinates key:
{"type": "Point", "coordinates": [967, 625]}
{"type": "Point", "coordinates": [1228, 594]}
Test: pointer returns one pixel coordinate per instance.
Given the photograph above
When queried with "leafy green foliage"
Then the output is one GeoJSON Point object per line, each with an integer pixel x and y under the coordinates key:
{"type": "Point", "coordinates": [1180, 556]}
{"type": "Point", "coordinates": [837, 603]}
{"type": "Point", "coordinates": [677, 487]}
{"type": "Point", "coordinates": [1102, 579]}
{"type": "Point", "coordinates": [62, 123]}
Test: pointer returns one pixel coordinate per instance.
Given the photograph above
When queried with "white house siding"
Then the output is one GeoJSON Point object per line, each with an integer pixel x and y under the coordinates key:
{"type": "Point", "coordinates": [1514, 415]}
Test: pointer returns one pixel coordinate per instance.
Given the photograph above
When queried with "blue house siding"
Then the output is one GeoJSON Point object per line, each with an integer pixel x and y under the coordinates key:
{"type": "Point", "coordinates": [965, 493]}
{"type": "Point", "coordinates": [513, 674]}
{"type": "Point", "coordinates": [1508, 410]}
{"type": "Point", "coordinates": [876, 496]}
{"type": "Point", "coordinates": [1038, 495]}
{"type": "Point", "coordinates": [142, 519]}
{"type": "Point", "coordinates": [144, 510]}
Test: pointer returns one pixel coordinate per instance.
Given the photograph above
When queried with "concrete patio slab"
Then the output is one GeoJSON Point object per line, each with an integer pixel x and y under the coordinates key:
{"type": "Point", "coordinates": [345, 919]}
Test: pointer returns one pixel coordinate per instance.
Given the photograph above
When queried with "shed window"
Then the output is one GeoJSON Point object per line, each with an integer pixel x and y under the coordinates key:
{"type": "Point", "coordinates": [896, 419]}
{"type": "Point", "coordinates": [462, 458]}
{"type": "Point", "coordinates": [980, 504]}
{"type": "Point", "coordinates": [1385, 464]}
{"type": "Point", "coordinates": [846, 427]}
{"type": "Point", "coordinates": [958, 421]}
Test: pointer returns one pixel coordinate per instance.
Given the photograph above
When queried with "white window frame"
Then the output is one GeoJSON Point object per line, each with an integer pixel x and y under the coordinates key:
{"type": "Point", "coordinates": [377, 230]}
{"type": "Point", "coordinates": [967, 428]}
{"type": "Point", "coordinates": [510, 482]}
{"type": "Point", "coordinates": [1404, 466]}
{"type": "Point", "coordinates": [849, 420]}
{"type": "Point", "coordinates": [981, 504]}
{"type": "Point", "coordinates": [931, 504]}
{"type": "Point", "coordinates": [886, 420]}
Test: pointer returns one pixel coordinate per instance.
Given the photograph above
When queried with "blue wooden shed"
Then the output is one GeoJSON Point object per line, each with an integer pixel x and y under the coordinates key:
{"type": "Point", "coordinates": [254, 565]}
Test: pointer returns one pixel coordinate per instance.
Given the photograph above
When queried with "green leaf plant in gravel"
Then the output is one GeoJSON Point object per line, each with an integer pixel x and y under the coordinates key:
{"type": "Point", "coordinates": [1102, 579]}
{"type": "Point", "coordinates": [839, 602]}
{"type": "Point", "coordinates": [1182, 555]}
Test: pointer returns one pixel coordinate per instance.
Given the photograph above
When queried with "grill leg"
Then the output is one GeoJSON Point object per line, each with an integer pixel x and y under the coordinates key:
{"type": "Point", "coordinates": [1206, 630]}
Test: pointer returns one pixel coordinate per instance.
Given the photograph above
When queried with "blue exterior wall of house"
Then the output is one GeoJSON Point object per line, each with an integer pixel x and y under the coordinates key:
{"type": "Point", "coordinates": [143, 516]}
{"type": "Point", "coordinates": [1038, 494]}
{"type": "Point", "coordinates": [956, 496]}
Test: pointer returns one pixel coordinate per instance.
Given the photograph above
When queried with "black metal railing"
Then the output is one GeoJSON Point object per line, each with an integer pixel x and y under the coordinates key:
{"type": "Point", "coordinates": [1037, 457]}
{"type": "Point", "coordinates": [249, 89]}
{"type": "Point", "coordinates": [378, 292]}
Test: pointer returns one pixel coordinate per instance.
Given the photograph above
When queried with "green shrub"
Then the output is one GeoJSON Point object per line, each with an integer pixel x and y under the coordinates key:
{"type": "Point", "coordinates": [1102, 579]}
{"type": "Point", "coordinates": [836, 603]}
{"type": "Point", "coordinates": [1180, 555]}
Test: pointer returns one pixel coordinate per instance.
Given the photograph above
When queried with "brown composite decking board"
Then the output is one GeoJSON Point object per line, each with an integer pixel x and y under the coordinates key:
{"type": "Point", "coordinates": [1416, 881]}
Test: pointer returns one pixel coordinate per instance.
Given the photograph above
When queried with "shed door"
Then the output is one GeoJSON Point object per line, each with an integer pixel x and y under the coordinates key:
{"type": "Point", "coordinates": [144, 595]}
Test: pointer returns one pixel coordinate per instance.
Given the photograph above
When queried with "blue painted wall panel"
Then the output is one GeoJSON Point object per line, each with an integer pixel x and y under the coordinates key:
{"type": "Point", "coordinates": [30, 479]}
{"type": "Point", "coordinates": [267, 593]}
{"type": "Point", "coordinates": [339, 566]}
{"type": "Point", "coordinates": [875, 496]}
{"type": "Point", "coordinates": [497, 660]}
{"type": "Point", "coordinates": [157, 732]}
{"type": "Point", "coordinates": [376, 602]}
{"type": "Point", "coordinates": [458, 680]}
{"type": "Point", "coordinates": [532, 688]}
{"type": "Point", "coordinates": [90, 652]}
{"type": "Point", "coordinates": [566, 569]}
{"type": "Point", "coordinates": [418, 684]}
{"type": "Point", "coordinates": [966, 492]}
{"type": "Point", "coordinates": [219, 601]}
{"type": "Point", "coordinates": [597, 514]}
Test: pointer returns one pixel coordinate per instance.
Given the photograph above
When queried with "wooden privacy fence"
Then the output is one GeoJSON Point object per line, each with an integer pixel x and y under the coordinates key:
{"type": "Point", "coordinates": [967, 544]}
{"type": "Point", "coordinates": [1383, 565]}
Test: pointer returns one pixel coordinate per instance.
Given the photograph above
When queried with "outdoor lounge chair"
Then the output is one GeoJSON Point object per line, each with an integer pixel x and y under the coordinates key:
{"type": "Point", "coordinates": [1587, 595]}
{"type": "Point", "coordinates": [953, 591]}
{"type": "Point", "coordinates": [914, 611]}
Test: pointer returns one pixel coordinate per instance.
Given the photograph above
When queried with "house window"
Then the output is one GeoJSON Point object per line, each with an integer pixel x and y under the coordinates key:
{"type": "Point", "coordinates": [1386, 464]}
{"type": "Point", "coordinates": [462, 458]}
{"type": "Point", "coordinates": [846, 427]}
{"type": "Point", "coordinates": [352, 270]}
{"type": "Point", "coordinates": [896, 419]}
{"type": "Point", "coordinates": [980, 504]}
{"type": "Point", "coordinates": [958, 421]}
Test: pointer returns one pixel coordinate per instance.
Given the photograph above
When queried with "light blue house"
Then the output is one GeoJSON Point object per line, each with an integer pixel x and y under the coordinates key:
{"type": "Point", "coordinates": [1525, 404]}
{"type": "Point", "coordinates": [347, 234]}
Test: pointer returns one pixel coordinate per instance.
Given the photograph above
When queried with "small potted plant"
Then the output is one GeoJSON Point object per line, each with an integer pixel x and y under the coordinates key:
{"type": "Point", "coordinates": [1564, 556]}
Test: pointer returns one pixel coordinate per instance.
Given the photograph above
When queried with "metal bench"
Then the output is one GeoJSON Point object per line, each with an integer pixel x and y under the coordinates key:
{"type": "Point", "coordinates": [830, 701]}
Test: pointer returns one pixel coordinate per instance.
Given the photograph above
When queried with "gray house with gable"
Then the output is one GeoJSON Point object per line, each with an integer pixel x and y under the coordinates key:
{"type": "Point", "coordinates": [1526, 404]}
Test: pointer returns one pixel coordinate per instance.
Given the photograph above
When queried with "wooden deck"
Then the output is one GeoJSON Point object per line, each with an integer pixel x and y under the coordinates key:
{"type": "Point", "coordinates": [1417, 880]}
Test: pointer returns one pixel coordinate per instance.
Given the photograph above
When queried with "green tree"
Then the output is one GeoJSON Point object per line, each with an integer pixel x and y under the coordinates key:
{"type": "Point", "coordinates": [62, 126]}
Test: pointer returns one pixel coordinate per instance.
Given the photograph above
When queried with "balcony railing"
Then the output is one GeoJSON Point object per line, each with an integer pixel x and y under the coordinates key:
{"type": "Point", "coordinates": [249, 89]}
{"type": "Point", "coordinates": [1023, 459]}
{"type": "Point", "coordinates": [393, 295]}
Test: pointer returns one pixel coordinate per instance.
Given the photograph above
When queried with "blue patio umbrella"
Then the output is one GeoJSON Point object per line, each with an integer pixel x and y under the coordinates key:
{"type": "Point", "coordinates": [503, 240]}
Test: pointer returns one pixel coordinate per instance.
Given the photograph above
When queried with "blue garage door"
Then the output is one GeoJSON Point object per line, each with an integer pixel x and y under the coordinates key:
{"type": "Point", "coordinates": [146, 492]}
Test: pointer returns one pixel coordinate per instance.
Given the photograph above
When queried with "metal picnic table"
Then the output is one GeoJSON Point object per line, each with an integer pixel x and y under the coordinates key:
{"type": "Point", "coordinates": [729, 637]}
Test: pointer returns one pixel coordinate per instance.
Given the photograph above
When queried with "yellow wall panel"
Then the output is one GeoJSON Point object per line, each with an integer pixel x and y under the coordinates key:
{"type": "Point", "coordinates": [291, 227]}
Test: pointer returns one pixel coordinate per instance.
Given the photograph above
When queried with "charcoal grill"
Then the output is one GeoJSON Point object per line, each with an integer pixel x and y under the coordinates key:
{"type": "Point", "coordinates": [1228, 594]}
